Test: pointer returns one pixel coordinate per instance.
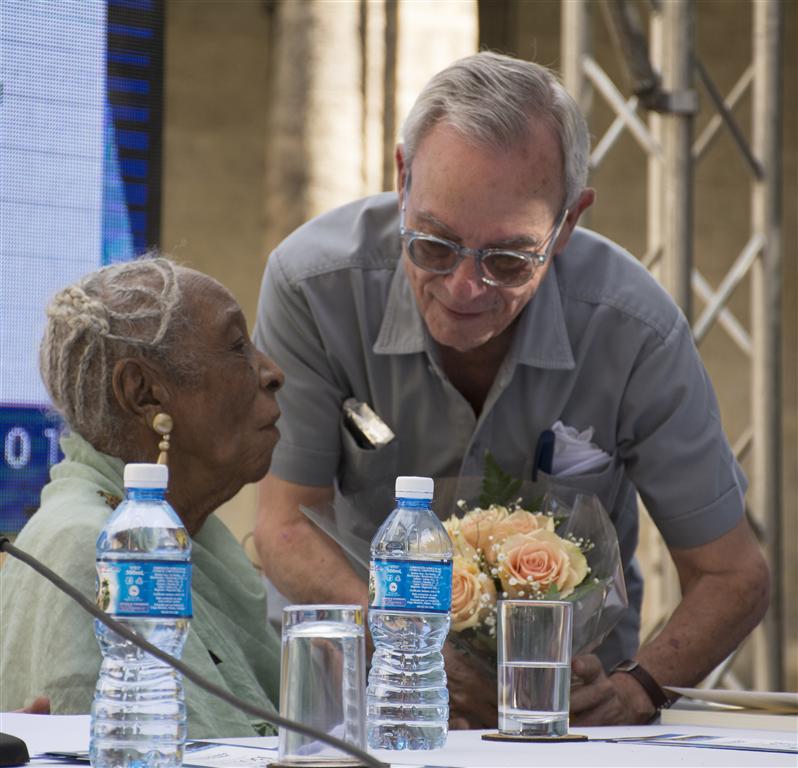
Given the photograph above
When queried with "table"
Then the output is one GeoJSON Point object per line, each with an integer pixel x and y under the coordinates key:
{"type": "Point", "coordinates": [465, 749]}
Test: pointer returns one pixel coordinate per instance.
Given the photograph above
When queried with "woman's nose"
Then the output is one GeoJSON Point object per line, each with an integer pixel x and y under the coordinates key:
{"type": "Point", "coordinates": [271, 375]}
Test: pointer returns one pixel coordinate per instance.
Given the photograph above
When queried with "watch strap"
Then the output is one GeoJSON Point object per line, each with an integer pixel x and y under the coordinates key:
{"type": "Point", "coordinates": [652, 688]}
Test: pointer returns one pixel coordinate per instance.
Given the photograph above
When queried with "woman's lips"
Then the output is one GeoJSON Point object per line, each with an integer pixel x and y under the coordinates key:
{"type": "Point", "coordinates": [271, 424]}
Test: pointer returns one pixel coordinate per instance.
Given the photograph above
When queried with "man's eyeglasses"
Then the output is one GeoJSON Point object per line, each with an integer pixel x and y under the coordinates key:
{"type": "Point", "coordinates": [498, 267]}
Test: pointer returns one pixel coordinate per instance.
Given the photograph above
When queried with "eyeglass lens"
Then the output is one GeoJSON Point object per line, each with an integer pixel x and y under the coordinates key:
{"type": "Point", "coordinates": [503, 267]}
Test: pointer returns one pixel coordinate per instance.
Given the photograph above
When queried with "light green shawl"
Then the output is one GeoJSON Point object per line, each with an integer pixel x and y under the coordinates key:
{"type": "Point", "coordinates": [47, 643]}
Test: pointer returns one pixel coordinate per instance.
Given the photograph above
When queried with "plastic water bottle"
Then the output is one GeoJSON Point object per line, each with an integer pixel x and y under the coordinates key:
{"type": "Point", "coordinates": [410, 597]}
{"type": "Point", "coordinates": [138, 718]}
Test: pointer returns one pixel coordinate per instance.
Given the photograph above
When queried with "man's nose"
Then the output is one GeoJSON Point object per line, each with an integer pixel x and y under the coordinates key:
{"type": "Point", "coordinates": [465, 282]}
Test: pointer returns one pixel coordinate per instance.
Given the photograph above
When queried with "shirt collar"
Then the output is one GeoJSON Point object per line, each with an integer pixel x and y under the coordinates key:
{"type": "Point", "coordinates": [402, 331]}
{"type": "Point", "coordinates": [541, 338]}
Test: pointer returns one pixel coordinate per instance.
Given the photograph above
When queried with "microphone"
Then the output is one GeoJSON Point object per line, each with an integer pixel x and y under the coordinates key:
{"type": "Point", "coordinates": [12, 751]}
{"type": "Point", "coordinates": [180, 666]}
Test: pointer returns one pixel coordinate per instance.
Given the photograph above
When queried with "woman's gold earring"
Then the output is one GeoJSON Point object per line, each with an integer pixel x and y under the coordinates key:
{"type": "Point", "coordinates": [162, 424]}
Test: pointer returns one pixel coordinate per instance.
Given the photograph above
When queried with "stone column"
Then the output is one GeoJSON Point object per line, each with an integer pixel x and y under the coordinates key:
{"type": "Point", "coordinates": [343, 74]}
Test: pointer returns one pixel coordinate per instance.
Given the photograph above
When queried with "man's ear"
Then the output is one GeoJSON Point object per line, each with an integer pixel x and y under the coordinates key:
{"type": "Point", "coordinates": [139, 388]}
{"type": "Point", "coordinates": [401, 169]}
{"type": "Point", "coordinates": [585, 200]}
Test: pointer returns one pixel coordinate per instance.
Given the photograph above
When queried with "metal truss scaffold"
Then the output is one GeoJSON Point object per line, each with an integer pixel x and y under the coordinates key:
{"type": "Point", "coordinates": [664, 65]}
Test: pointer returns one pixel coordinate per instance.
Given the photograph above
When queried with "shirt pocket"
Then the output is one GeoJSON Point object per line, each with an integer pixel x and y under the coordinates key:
{"type": "Point", "coordinates": [604, 484]}
{"type": "Point", "coordinates": [364, 468]}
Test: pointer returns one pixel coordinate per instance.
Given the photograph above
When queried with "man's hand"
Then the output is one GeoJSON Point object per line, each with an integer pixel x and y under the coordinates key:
{"type": "Point", "coordinates": [600, 700]}
{"type": "Point", "coordinates": [472, 694]}
{"type": "Point", "coordinates": [39, 706]}
{"type": "Point", "coordinates": [701, 632]}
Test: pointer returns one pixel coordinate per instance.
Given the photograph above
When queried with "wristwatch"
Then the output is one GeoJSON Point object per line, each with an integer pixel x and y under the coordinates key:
{"type": "Point", "coordinates": [658, 697]}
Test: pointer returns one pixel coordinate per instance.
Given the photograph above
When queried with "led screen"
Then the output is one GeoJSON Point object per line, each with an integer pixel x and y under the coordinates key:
{"type": "Point", "coordinates": [80, 124]}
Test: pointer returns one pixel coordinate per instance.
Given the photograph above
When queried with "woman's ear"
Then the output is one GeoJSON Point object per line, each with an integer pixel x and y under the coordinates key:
{"type": "Point", "coordinates": [139, 388]}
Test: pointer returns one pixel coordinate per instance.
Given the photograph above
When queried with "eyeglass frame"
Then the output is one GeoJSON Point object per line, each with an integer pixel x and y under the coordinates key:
{"type": "Point", "coordinates": [538, 259]}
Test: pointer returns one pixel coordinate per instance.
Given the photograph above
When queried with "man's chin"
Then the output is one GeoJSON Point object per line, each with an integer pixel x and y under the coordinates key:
{"type": "Point", "coordinates": [459, 339]}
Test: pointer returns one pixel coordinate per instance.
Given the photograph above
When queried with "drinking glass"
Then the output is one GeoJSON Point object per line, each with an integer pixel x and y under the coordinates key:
{"type": "Point", "coordinates": [322, 682]}
{"type": "Point", "coordinates": [534, 667]}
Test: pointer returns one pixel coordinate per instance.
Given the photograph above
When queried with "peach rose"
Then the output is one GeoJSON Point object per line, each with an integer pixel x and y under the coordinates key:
{"type": "Point", "coordinates": [478, 524]}
{"type": "Point", "coordinates": [520, 521]}
{"type": "Point", "coordinates": [460, 545]}
{"type": "Point", "coordinates": [473, 594]}
{"type": "Point", "coordinates": [530, 563]}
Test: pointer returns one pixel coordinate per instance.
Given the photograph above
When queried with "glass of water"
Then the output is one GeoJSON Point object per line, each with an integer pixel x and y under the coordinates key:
{"type": "Point", "coordinates": [534, 666]}
{"type": "Point", "coordinates": [322, 682]}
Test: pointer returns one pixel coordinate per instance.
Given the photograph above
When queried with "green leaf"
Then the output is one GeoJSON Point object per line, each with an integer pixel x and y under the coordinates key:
{"type": "Point", "coordinates": [553, 593]}
{"type": "Point", "coordinates": [497, 486]}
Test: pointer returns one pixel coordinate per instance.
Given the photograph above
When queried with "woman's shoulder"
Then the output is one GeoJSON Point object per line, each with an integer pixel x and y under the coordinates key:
{"type": "Point", "coordinates": [63, 531]}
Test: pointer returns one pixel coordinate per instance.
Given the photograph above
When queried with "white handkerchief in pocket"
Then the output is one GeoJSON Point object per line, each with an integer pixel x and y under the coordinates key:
{"type": "Point", "coordinates": [575, 453]}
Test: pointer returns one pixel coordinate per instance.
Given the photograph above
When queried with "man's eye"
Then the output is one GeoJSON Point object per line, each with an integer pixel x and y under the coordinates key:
{"type": "Point", "coordinates": [240, 345]}
{"type": "Point", "coordinates": [431, 253]}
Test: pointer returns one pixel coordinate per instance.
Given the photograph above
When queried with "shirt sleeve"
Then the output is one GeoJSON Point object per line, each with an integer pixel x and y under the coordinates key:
{"type": "Point", "coordinates": [673, 446]}
{"type": "Point", "coordinates": [310, 401]}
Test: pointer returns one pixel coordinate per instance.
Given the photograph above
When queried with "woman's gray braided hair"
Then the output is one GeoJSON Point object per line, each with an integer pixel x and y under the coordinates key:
{"type": "Point", "coordinates": [489, 98]}
{"type": "Point", "coordinates": [127, 309]}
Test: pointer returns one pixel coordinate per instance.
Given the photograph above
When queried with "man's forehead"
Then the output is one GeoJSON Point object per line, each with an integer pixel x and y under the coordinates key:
{"type": "Point", "coordinates": [448, 160]}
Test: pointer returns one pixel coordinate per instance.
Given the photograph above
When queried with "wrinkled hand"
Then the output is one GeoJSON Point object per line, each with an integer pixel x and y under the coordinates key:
{"type": "Point", "coordinates": [472, 694]}
{"type": "Point", "coordinates": [600, 700]}
{"type": "Point", "coordinates": [39, 706]}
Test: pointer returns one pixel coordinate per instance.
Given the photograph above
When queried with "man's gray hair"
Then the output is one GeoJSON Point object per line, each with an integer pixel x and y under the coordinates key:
{"type": "Point", "coordinates": [490, 98]}
{"type": "Point", "coordinates": [128, 309]}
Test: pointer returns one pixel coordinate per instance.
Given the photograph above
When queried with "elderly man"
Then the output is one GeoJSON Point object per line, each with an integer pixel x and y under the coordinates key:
{"type": "Point", "coordinates": [472, 314]}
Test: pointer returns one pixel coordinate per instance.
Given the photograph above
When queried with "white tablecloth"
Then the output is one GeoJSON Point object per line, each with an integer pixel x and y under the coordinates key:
{"type": "Point", "coordinates": [466, 749]}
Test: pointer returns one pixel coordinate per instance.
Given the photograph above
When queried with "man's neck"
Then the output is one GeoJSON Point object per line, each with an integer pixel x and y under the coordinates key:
{"type": "Point", "coordinates": [473, 372]}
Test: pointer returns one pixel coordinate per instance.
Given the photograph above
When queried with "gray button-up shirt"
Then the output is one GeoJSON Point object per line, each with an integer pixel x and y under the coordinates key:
{"type": "Point", "coordinates": [599, 345]}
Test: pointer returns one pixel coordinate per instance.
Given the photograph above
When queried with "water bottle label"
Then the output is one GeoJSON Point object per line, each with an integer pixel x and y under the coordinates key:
{"type": "Point", "coordinates": [148, 588]}
{"type": "Point", "coordinates": [411, 585]}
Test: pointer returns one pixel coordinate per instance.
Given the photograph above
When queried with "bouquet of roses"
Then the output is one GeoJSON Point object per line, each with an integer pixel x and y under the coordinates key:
{"type": "Point", "coordinates": [515, 540]}
{"type": "Point", "coordinates": [507, 547]}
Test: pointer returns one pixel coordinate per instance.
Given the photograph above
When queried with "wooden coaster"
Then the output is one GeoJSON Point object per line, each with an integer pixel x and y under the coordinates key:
{"type": "Point", "coordinates": [519, 737]}
{"type": "Point", "coordinates": [320, 764]}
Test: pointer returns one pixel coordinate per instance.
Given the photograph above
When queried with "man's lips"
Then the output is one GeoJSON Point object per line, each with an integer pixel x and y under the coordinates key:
{"type": "Point", "coordinates": [465, 313]}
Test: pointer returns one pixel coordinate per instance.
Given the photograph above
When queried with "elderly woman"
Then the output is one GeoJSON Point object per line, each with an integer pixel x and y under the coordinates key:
{"type": "Point", "coordinates": [125, 347]}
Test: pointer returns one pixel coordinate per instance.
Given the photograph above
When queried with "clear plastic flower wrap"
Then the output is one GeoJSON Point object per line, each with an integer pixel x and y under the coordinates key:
{"type": "Point", "coordinates": [514, 539]}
